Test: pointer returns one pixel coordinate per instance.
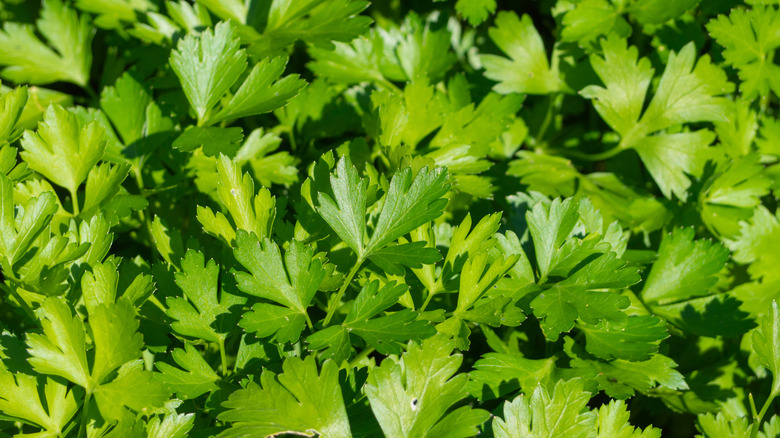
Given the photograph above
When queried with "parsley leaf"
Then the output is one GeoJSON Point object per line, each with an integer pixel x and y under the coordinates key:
{"type": "Point", "coordinates": [29, 60]}
{"type": "Point", "coordinates": [301, 400]}
{"type": "Point", "coordinates": [412, 396]}
{"type": "Point", "coordinates": [686, 93]}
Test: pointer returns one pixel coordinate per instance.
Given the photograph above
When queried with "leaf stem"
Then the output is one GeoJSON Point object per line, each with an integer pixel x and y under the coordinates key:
{"type": "Point", "coordinates": [548, 116]}
{"type": "Point", "coordinates": [308, 320]}
{"type": "Point", "coordinates": [428, 299]}
{"type": "Point", "coordinates": [85, 415]}
{"type": "Point", "coordinates": [757, 419]}
{"type": "Point", "coordinates": [333, 305]}
{"type": "Point", "coordinates": [223, 356]}
{"type": "Point", "coordinates": [75, 200]}
{"type": "Point", "coordinates": [362, 355]}
{"type": "Point", "coordinates": [601, 156]}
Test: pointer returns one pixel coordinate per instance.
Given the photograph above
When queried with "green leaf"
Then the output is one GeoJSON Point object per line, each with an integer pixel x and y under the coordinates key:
{"type": "Point", "coordinates": [262, 91]}
{"type": "Point", "coordinates": [393, 258]}
{"type": "Point", "coordinates": [528, 69]}
{"type": "Point", "coordinates": [686, 93]}
{"type": "Point", "coordinates": [214, 140]}
{"type": "Point", "coordinates": [19, 230]}
{"type": "Point", "coordinates": [720, 425]}
{"type": "Point", "coordinates": [659, 11]}
{"type": "Point", "coordinates": [171, 426]}
{"type": "Point", "coordinates": [387, 334]}
{"type": "Point", "coordinates": [268, 319]}
{"type": "Point", "coordinates": [733, 193]}
{"type": "Point", "coordinates": [291, 282]}
{"type": "Point", "coordinates": [315, 22]}
{"type": "Point", "coordinates": [63, 149]}
{"type": "Point", "coordinates": [61, 349]}
{"type": "Point", "coordinates": [11, 106]}
{"type": "Point", "coordinates": [298, 400]}
{"type": "Point", "coordinates": [236, 190]}
{"type": "Point", "coordinates": [410, 201]}
{"type": "Point", "coordinates": [112, 13]}
{"type": "Point", "coordinates": [748, 37]}
{"type": "Point", "coordinates": [49, 404]}
{"type": "Point", "coordinates": [591, 18]}
{"type": "Point", "coordinates": [612, 422]}
{"type": "Point", "coordinates": [411, 396]}
{"type": "Point", "coordinates": [475, 11]}
{"type": "Point", "coordinates": [562, 413]}
{"type": "Point", "coordinates": [621, 378]}
{"type": "Point", "coordinates": [684, 269]}
{"type": "Point", "coordinates": [637, 341]}
{"type": "Point", "coordinates": [550, 226]}
{"type": "Point", "coordinates": [138, 119]}
{"type": "Point", "coordinates": [194, 379]}
{"type": "Point", "coordinates": [104, 183]}
{"type": "Point", "coordinates": [29, 60]}
{"type": "Point", "coordinates": [558, 308]}
{"type": "Point", "coordinates": [207, 66]}
{"type": "Point", "coordinates": [206, 309]}
{"type": "Point", "coordinates": [346, 211]}
{"type": "Point", "coordinates": [113, 331]}
{"type": "Point", "coordinates": [766, 344]}
{"type": "Point", "coordinates": [134, 388]}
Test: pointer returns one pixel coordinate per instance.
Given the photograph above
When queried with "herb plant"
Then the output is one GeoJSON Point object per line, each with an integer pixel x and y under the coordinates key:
{"type": "Point", "coordinates": [424, 218]}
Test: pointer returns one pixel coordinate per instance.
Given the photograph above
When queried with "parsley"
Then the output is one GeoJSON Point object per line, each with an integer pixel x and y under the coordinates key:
{"type": "Point", "coordinates": [343, 218]}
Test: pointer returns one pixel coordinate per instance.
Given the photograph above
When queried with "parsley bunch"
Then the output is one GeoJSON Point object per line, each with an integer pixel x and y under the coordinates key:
{"type": "Point", "coordinates": [438, 218]}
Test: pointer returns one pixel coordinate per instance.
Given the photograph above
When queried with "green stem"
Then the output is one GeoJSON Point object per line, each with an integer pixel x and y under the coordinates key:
{"type": "Point", "coordinates": [601, 156]}
{"type": "Point", "coordinates": [757, 419]}
{"type": "Point", "coordinates": [363, 354]}
{"type": "Point", "coordinates": [548, 116]}
{"type": "Point", "coordinates": [428, 300]}
{"type": "Point", "coordinates": [75, 200]}
{"type": "Point", "coordinates": [223, 356]}
{"type": "Point", "coordinates": [334, 304]}
{"type": "Point", "coordinates": [308, 320]}
{"type": "Point", "coordinates": [139, 181]}
{"type": "Point", "coordinates": [85, 415]}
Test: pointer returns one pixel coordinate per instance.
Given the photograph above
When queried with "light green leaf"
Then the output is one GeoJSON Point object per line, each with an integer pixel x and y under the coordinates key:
{"type": "Point", "coordinates": [766, 344]}
{"type": "Point", "coordinates": [29, 60]}
{"type": "Point", "coordinates": [262, 91]}
{"type": "Point", "coordinates": [113, 329]}
{"type": "Point", "coordinates": [637, 340]}
{"type": "Point", "coordinates": [194, 379]}
{"type": "Point", "coordinates": [528, 69]}
{"type": "Point", "coordinates": [205, 311]}
{"type": "Point", "coordinates": [291, 282]}
{"type": "Point", "coordinates": [410, 202]}
{"type": "Point", "coordinates": [214, 140]}
{"type": "Point", "coordinates": [346, 214]}
{"type": "Point", "coordinates": [134, 388]}
{"type": "Point", "coordinates": [562, 413]}
{"type": "Point", "coordinates": [63, 149]}
{"type": "Point", "coordinates": [298, 400]}
{"type": "Point", "coordinates": [475, 11]}
{"type": "Point", "coordinates": [207, 66]}
{"type": "Point", "coordinates": [612, 422]}
{"type": "Point", "coordinates": [51, 407]}
{"type": "Point", "coordinates": [61, 350]}
{"type": "Point", "coordinates": [411, 396]}
{"type": "Point", "coordinates": [685, 268]}
{"type": "Point", "coordinates": [11, 106]}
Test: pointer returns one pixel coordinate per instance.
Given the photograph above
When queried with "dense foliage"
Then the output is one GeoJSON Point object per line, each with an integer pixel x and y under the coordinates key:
{"type": "Point", "coordinates": [406, 218]}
